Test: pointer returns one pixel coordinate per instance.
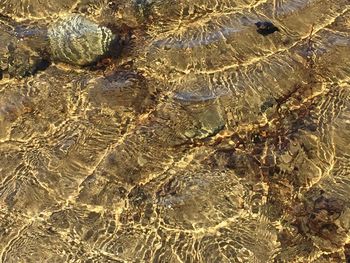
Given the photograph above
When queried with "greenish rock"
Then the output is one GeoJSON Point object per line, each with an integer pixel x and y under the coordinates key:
{"type": "Point", "coordinates": [77, 40]}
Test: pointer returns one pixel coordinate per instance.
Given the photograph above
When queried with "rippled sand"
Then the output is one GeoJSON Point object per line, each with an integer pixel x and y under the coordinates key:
{"type": "Point", "coordinates": [203, 142]}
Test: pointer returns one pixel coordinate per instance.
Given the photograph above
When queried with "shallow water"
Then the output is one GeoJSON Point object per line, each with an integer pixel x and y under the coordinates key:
{"type": "Point", "coordinates": [203, 141]}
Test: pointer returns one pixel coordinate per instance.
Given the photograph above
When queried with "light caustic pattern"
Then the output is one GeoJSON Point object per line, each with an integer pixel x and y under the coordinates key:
{"type": "Point", "coordinates": [216, 145]}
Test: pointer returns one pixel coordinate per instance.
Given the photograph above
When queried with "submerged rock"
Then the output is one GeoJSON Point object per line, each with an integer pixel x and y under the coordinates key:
{"type": "Point", "coordinates": [19, 58]}
{"type": "Point", "coordinates": [77, 40]}
{"type": "Point", "coordinates": [266, 28]}
{"type": "Point", "coordinates": [74, 39]}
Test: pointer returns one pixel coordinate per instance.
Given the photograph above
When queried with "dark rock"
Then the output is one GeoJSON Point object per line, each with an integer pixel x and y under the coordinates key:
{"type": "Point", "coordinates": [265, 28]}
